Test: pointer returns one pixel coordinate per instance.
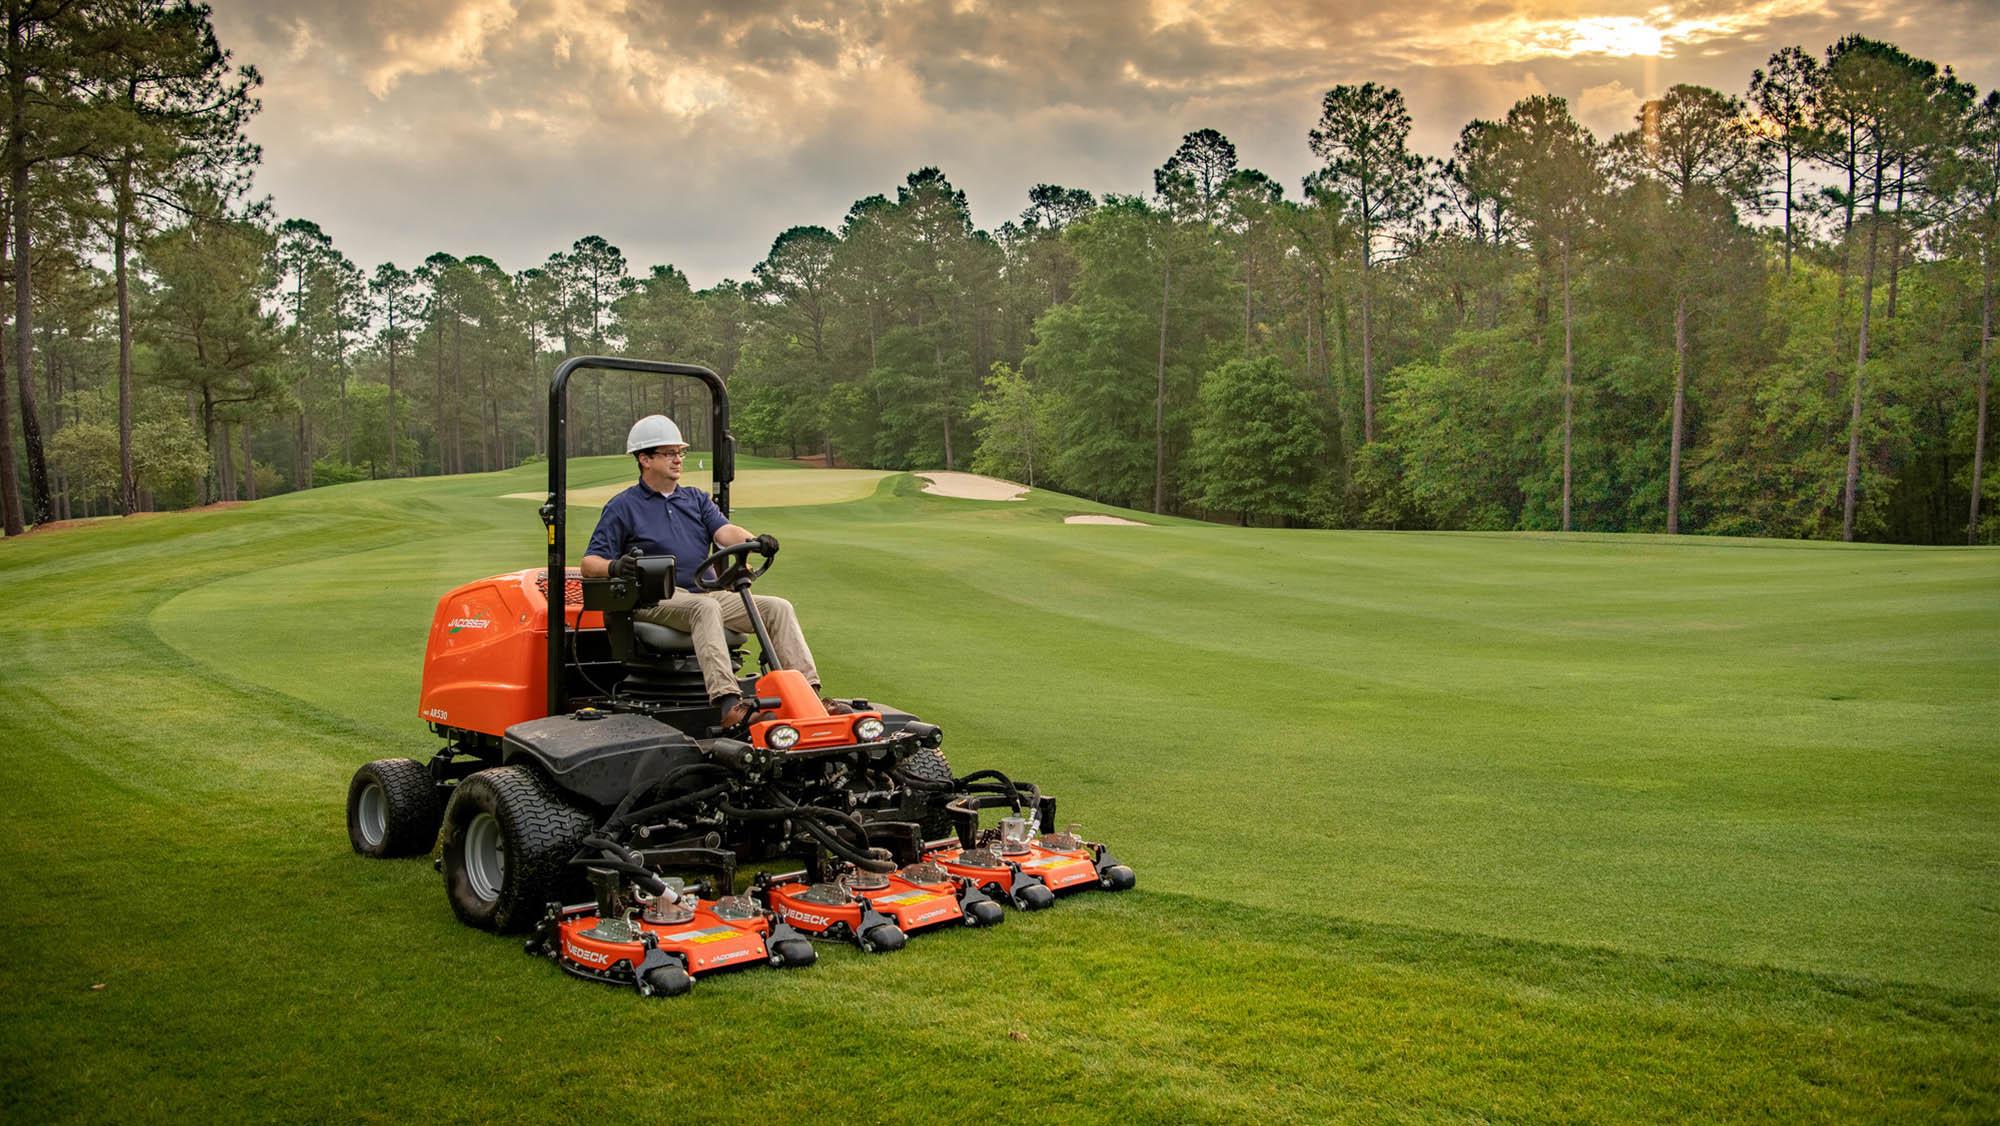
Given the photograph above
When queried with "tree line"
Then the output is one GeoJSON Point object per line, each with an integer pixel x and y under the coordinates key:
{"type": "Point", "coordinates": [1767, 314]}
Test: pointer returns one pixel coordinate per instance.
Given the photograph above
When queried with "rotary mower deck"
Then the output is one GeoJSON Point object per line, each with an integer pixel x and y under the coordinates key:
{"type": "Point", "coordinates": [583, 779]}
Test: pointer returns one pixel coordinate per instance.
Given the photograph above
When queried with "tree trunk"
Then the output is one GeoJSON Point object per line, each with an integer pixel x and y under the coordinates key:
{"type": "Point", "coordinates": [10, 485]}
{"type": "Point", "coordinates": [394, 430]}
{"type": "Point", "coordinates": [1160, 393]}
{"type": "Point", "coordinates": [24, 349]}
{"type": "Point", "coordinates": [1249, 274]}
{"type": "Point", "coordinates": [944, 391]}
{"type": "Point", "coordinates": [1788, 209]}
{"type": "Point", "coordinates": [489, 411]}
{"type": "Point", "coordinates": [1367, 342]}
{"type": "Point", "coordinates": [1860, 365]}
{"type": "Point", "coordinates": [458, 396]}
{"type": "Point", "coordinates": [228, 490]}
{"type": "Point", "coordinates": [1979, 431]}
{"type": "Point", "coordinates": [53, 389]}
{"type": "Point", "coordinates": [437, 397]}
{"type": "Point", "coordinates": [1895, 249]}
{"type": "Point", "coordinates": [1569, 396]}
{"type": "Point", "coordinates": [305, 450]}
{"type": "Point", "coordinates": [208, 480]}
{"type": "Point", "coordinates": [249, 462]}
{"type": "Point", "coordinates": [128, 485]}
{"type": "Point", "coordinates": [1680, 409]}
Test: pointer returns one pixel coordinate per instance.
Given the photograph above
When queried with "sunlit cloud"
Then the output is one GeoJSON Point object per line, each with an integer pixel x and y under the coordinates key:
{"type": "Point", "coordinates": [457, 44]}
{"type": "Point", "coordinates": [1522, 36]}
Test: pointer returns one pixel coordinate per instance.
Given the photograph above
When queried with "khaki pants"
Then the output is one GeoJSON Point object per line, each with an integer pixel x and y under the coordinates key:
{"type": "Point", "coordinates": [704, 616]}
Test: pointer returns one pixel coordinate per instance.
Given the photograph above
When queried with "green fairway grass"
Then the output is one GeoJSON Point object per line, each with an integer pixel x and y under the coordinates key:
{"type": "Point", "coordinates": [1426, 826]}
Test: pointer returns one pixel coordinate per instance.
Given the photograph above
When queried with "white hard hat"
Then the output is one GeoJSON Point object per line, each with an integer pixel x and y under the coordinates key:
{"type": "Point", "coordinates": [653, 431]}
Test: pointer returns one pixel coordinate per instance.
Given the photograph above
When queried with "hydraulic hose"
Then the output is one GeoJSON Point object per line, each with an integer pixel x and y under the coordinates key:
{"type": "Point", "coordinates": [623, 815]}
{"type": "Point", "coordinates": [841, 849]}
{"type": "Point", "coordinates": [671, 804]}
{"type": "Point", "coordinates": [810, 818]}
{"type": "Point", "coordinates": [1006, 785]}
{"type": "Point", "coordinates": [620, 859]}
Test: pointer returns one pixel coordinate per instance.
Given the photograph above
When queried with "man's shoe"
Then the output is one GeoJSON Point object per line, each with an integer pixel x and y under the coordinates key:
{"type": "Point", "coordinates": [835, 707]}
{"type": "Point", "coordinates": [736, 714]}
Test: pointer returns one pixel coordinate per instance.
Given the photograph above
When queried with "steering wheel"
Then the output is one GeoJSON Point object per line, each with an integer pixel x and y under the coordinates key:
{"type": "Point", "coordinates": [738, 571]}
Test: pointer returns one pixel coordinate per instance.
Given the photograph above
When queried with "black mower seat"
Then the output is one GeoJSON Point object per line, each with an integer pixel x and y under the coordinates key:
{"type": "Point", "coordinates": [665, 639]}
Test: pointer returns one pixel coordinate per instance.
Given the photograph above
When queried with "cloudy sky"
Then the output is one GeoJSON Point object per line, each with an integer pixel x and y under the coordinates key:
{"type": "Point", "coordinates": [693, 133]}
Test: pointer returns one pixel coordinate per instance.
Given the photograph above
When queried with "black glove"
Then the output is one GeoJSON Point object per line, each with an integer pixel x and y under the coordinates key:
{"type": "Point", "coordinates": [767, 544]}
{"type": "Point", "coordinates": [626, 566]}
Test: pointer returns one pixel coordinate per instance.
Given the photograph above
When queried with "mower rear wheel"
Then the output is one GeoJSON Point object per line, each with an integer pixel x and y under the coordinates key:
{"type": "Point", "coordinates": [393, 809]}
{"type": "Point", "coordinates": [508, 839]}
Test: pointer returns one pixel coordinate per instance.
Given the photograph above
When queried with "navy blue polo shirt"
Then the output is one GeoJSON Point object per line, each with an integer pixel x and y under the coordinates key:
{"type": "Point", "coordinates": [682, 524]}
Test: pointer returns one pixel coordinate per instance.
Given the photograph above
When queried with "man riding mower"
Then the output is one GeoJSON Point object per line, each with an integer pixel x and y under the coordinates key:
{"type": "Point", "coordinates": [591, 757]}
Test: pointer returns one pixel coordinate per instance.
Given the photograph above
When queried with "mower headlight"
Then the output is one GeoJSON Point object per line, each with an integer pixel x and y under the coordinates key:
{"type": "Point", "coordinates": [868, 730]}
{"type": "Point", "coordinates": [782, 737]}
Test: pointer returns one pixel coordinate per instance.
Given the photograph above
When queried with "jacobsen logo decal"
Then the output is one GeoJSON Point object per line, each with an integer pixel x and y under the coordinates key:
{"type": "Point", "coordinates": [929, 915]}
{"type": "Point", "coordinates": [730, 956]}
{"type": "Point", "coordinates": [808, 920]}
{"type": "Point", "coordinates": [470, 623]}
{"type": "Point", "coordinates": [582, 955]}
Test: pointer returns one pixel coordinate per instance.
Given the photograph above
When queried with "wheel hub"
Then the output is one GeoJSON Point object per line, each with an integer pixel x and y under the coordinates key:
{"type": "Point", "coordinates": [485, 856]}
{"type": "Point", "coordinates": [371, 815]}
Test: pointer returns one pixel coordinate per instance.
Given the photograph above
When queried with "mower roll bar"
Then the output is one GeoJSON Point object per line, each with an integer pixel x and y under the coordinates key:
{"type": "Point", "coordinates": [554, 510]}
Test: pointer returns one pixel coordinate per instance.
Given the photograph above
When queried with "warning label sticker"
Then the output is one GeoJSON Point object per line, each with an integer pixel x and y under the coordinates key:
{"type": "Point", "coordinates": [705, 935]}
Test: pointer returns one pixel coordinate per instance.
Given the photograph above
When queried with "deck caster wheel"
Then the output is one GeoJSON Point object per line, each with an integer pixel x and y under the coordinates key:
{"type": "Point", "coordinates": [984, 913]}
{"type": "Point", "coordinates": [793, 953]}
{"type": "Point", "coordinates": [665, 981]}
{"type": "Point", "coordinates": [1033, 897]}
{"type": "Point", "coordinates": [1117, 877]}
{"type": "Point", "coordinates": [882, 938]}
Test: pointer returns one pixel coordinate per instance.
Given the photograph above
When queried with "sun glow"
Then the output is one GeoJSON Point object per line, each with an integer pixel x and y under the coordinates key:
{"type": "Point", "coordinates": [1508, 36]}
{"type": "Point", "coordinates": [1618, 36]}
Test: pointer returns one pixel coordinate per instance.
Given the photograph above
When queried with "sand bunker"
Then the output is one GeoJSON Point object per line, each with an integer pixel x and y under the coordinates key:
{"type": "Point", "coordinates": [971, 486]}
{"type": "Point", "coordinates": [757, 488]}
{"type": "Point", "coordinates": [1094, 518]}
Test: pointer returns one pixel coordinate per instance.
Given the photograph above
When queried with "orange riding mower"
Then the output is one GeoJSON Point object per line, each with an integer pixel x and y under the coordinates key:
{"type": "Point", "coordinates": [585, 774]}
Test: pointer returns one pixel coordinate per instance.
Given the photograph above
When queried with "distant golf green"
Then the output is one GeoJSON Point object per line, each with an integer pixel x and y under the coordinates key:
{"type": "Point", "coordinates": [1426, 825]}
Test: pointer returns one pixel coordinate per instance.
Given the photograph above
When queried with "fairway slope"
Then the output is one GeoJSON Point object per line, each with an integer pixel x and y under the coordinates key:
{"type": "Point", "coordinates": [1470, 826]}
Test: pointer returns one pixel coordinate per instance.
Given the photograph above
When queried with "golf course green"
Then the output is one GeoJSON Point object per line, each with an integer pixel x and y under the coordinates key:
{"type": "Point", "coordinates": [1467, 826]}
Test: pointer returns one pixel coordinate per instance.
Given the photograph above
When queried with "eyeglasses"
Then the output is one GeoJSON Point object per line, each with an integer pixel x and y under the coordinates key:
{"type": "Point", "coordinates": [675, 454]}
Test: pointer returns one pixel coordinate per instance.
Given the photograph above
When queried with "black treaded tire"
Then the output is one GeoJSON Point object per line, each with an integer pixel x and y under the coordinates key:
{"type": "Point", "coordinates": [535, 833]}
{"type": "Point", "coordinates": [929, 765]}
{"type": "Point", "coordinates": [393, 809]}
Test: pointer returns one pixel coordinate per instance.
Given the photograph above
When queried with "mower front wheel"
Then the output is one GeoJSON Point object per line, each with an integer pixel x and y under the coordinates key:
{"type": "Point", "coordinates": [666, 981]}
{"type": "Point", "coordinates": [508, 839]}
{"type": "Point", "coordinates": [393, 809]}
{"type": "Point", "coordinates": [1032, 895]}
{"type": "Point", "coordinates": [883, 938]}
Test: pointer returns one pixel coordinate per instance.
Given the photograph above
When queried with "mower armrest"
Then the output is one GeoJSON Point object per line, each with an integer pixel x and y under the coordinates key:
{"type": "Point", "coordinates": [656, 577]}
{"type": "Point", "coordinates": [612, 595]}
